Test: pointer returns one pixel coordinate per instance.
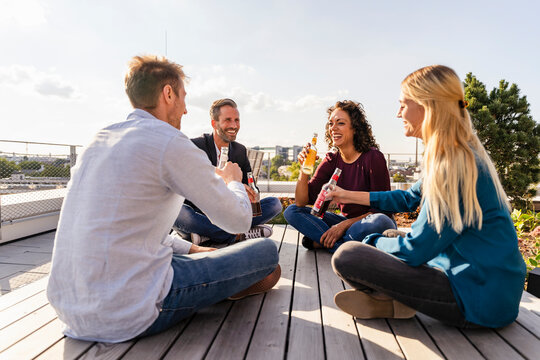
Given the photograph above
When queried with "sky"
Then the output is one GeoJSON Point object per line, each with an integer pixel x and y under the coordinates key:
{"type": "Point", "coordinates": [284, 62]}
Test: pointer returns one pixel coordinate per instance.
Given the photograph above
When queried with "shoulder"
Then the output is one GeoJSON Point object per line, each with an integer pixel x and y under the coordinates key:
{"type": "Point", "coordinates": [237, 146]}
{"type": "Point", "coordinates": [202, 141]}
{"type": "Point", "coordinates": [373, 156]}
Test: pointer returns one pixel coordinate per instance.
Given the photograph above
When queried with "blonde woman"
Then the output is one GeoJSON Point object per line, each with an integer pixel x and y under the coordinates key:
{"type": "Point", "coordinates": [460, 263]}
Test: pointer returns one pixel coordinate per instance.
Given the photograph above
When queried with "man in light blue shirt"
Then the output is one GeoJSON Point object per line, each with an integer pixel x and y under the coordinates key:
{"type": "Point", "coordinates": [114, 275]}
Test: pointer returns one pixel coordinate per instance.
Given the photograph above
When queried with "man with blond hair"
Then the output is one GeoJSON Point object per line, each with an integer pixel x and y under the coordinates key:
{"type": "Point", "coordinates": [114, 275]}
{"type": "Point", "coordinates": [192, 223]}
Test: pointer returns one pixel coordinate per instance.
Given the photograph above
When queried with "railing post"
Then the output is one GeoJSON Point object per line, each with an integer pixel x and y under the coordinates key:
{"type": "Point", "coordinates": [72, 156]}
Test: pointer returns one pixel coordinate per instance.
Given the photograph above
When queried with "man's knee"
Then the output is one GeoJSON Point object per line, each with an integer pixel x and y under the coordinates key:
{"type": "Point", "coordinates": [268, 248]}
{"type": "Point", "coordinates": [274, 205]}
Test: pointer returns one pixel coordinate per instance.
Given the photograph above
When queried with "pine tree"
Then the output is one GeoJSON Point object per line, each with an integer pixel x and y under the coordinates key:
{"type": "Point", "coordinates": [510, 135]}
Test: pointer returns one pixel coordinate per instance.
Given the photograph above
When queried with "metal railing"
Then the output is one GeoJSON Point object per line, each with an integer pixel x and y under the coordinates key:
{"type": "Point", "coordinates": [279, 175]}
{"type": "Point", "coordinates": [33, 178]}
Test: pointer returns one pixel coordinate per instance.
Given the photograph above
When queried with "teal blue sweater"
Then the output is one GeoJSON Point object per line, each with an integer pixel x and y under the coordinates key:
{"type": "Point", "coordinates": [485, 268]}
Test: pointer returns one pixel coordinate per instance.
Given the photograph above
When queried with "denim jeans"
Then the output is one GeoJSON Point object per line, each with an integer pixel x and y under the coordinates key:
{"type": "Point", "coordinates": [314, 227]}
{"type": "Point", "coordinates": [422, 288]}
{"type": "Point", "coordinates": [190, 221]}
{"type": "Point", "coordinates": [206, 278]}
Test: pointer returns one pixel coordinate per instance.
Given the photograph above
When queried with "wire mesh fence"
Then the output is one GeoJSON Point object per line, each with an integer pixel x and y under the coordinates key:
{"type": "Point", "coordinates": [279, 170]}
{"type": "Point", "coordinates": [33, 178]}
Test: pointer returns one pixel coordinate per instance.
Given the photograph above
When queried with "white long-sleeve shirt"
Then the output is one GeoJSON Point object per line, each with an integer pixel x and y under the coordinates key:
{"type": "Point", "coordinates": [111, 263]}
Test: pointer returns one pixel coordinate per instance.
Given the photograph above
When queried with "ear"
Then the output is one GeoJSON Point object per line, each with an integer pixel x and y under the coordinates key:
{"type": "Point", "coordinates": [167, 94]}
{"type": "Point", "coordinates": [214, 124]}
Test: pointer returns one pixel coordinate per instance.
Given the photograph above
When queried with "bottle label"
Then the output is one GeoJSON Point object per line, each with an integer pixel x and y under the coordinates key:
{"type": "Point", "coordinates": [320, 200]}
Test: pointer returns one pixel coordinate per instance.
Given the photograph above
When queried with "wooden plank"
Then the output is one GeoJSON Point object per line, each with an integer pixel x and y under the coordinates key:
{"type": "Point", "coordinates": [521, 340]}
{"type": "Point", "coordinates": [530, 302]}
{"type": "Point", "coordinates": [195, 340]}
{"type": "Point", "coordinates": [66, 349]}
{"type": "Point", "coordinates": [27, 325]}
{"type": "Point", "coordinates": [452, 343]}
{"type": "Point", "coordinates": [22, 293]}
{"type": "Point", "coordinates": [306, 335]}
{"type": "Point", "coordinates": [340, 334]}
{"type": "Point", "coordinates": [529, 321]}
{"type": "Point", "coordinates": [155, 346]}
{"type": "Point", "coordinates": [23, 308]}
{"type": "Point", "coordinates": [490, 345]}
{"type": "Point", "coordinates": [378, 340]}
{"type": "Point", "coordinates": [270, 334]}
{"type": "Point", "coordinates": [35, 343]}
{"type": "Point", "coordinates": [107, 351]}
{"type": "Point", "coordinates": [238, 326]}
{"type": "Point", "coordinates": [413, 340]}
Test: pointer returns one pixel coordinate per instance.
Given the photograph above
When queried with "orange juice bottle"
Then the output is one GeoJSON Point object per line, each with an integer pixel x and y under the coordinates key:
{"type": "Point", "coordinates": [309, 162]}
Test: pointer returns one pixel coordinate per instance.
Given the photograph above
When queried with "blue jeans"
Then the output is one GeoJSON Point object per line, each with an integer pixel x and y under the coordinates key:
{"type": "Point", "coordinates": [314, 227]}
{"type": "Point", "coordinates": [206, 278]}
{"type": "Point", "coordinates": [190, 221]}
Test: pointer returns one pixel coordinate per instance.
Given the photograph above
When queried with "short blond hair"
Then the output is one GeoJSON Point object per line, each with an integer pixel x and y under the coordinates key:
{"type": "Point", "coordinates": [146, 77]}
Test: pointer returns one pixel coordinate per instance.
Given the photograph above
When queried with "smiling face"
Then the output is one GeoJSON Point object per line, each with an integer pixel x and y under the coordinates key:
{"type": "Point", "coordinates": [228, 124]}
{"type": "Point", "coordinates": [341, 131]}
{"type": "Point", "coordinates": [412, 115]}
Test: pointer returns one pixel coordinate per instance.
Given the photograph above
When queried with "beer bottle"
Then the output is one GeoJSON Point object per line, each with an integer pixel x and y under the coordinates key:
{"type": "Point", "coordinates": [309, 162]}
{"type": "Point", "coordinates": [255, 206]}
{"type": "Point", "coordinates": [224, 157]}
{"type": "Point", "coordinates": [321, 204]}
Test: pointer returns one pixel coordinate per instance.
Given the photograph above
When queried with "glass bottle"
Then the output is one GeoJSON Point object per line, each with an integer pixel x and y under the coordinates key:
{"type": "Point", "coordinates": [321, 204]}
{"type": "Point", "coordinates": [255, 206]}
{"type": "Point", "coordinates": [223, 157]}
{"type": "Point", "coordinates": [309, 162]}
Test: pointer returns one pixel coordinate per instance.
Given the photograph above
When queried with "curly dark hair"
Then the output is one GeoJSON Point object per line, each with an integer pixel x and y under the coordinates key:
{"type": "Point", "coordinates": [363, 136]}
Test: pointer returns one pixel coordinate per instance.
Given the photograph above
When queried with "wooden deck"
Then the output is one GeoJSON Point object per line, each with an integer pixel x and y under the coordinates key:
{"type": "Point", "coordinates": [296, 320]}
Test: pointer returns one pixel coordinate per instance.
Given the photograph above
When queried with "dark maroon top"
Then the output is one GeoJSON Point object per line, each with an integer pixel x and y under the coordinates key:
{"type": "Point", "coordinates": [368, 173]}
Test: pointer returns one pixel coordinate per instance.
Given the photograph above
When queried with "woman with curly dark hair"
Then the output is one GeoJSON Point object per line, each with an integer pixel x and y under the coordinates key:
{"type": "Point", "coordinates": [362, 166]}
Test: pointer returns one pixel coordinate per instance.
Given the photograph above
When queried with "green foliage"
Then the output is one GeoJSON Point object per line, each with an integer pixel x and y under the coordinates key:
{"type": "Point", "coordinates": [7, 168]}
{"type": "Point", "coordinates": [525, 221]}
{"type": "Point", "coordinates": [398, 177]}
{"type": "Point", "coordinates": [294, 169]}
{"type": "Point", "coordinates": [30, 165]}
{"type": "Point", "coordinates": [54, 171]}
{"type": "Point", "coordinates": [525, 224]}
{"type": "Point", "coordinates": [510, 135]}
{"type": "Point", "coordinates": [276, 162]}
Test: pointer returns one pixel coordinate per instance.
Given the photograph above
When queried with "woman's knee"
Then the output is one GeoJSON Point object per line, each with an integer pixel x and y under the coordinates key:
{"type": "Point", "coordinates": [290, 212]}
{"type": "Point", "coordinates": [347, 254]}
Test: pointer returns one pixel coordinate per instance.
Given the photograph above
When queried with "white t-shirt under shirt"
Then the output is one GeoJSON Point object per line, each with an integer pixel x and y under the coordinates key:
{"type": "Point", "coordinates": [111, 265]}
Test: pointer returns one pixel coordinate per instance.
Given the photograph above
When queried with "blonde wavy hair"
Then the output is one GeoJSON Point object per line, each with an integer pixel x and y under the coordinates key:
{"type": "Point", "coordinates": [451, 144]}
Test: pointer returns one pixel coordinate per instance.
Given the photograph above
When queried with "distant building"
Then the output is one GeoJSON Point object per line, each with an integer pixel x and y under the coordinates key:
{"type": "Point", "coordinates": [282, 151]}
{"type": "Point", "coordinates": [296, 150]}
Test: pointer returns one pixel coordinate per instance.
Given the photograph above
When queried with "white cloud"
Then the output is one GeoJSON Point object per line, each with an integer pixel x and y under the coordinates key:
{"type": "Point", "coordinates": [55, 87]}
{"type": "Point", "coordinates": [235, 81]}
{"type": "Point", "coordinates": [23, 13]}
{"type": "Point", "coordinates": [44, 83]}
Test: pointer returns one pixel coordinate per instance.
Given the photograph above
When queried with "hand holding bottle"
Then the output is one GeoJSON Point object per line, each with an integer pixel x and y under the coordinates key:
{"type": "Point", "coordinates": [230, 172]}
